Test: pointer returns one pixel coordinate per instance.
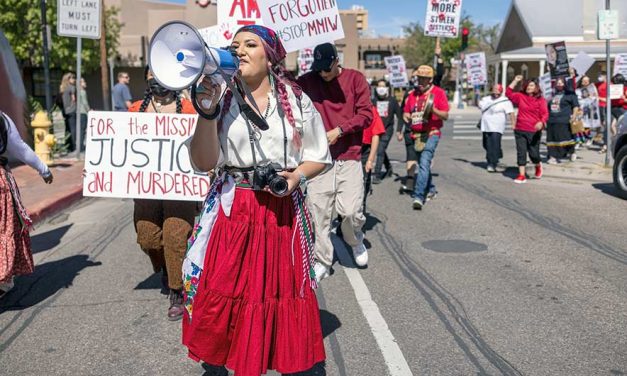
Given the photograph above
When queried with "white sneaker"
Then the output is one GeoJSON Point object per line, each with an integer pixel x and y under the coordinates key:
{"type": "Point", "coordinates": [321, 271]}
{"type": "Point", "coordinates": [360, 252]}
{"type": "Point", "coordinates": [573, 157]}
{"type": "Point", "coordinates": [552, 161]}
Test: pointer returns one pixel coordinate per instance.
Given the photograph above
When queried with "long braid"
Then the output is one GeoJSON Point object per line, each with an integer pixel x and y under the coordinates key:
{"type": "Point", "coordinates": [179, 104]}
{"type": "Point", "coordinates": [281, 79]}
{"type": "Point", "coordinates": [226, 106]}
{"type": "Point", "coordinates": [147, 98]}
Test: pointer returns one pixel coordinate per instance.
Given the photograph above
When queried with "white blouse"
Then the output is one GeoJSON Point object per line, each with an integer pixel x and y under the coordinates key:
{"type": "Point", "coordinates": [235, 144]}
{"type": "Point", "coordinates": [18, 149]}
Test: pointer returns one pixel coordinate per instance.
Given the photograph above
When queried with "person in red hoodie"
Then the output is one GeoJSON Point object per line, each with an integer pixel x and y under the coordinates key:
{"type": "Point", "coordinates": [342, 97]}
{"type": "Point", "coordinates": [532, 117]}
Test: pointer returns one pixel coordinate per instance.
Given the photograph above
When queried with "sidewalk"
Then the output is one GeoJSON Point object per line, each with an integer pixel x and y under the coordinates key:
{"type": "Point", "coordinates": [42, 200]}
{"type": "Point", "coordinates": [590, 165]}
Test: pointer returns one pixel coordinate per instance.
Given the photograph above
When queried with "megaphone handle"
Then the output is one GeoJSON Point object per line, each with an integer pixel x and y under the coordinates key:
{"type": "Point", "coordinates": [202, 113]}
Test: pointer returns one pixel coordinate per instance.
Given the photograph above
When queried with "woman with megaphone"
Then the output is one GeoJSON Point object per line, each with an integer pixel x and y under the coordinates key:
{"type": "Point", "coordinates": [248, 272]}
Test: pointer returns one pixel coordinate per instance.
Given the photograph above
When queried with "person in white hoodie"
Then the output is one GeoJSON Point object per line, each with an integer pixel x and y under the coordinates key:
{"type": "Point", "coordinates": [495, 111]}
{"type": "Point", "coordinates": [16, 257]}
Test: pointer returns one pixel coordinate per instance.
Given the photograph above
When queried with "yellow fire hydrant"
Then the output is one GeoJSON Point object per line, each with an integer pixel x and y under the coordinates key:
{"type": "Point", "coordinates": [43, 140]}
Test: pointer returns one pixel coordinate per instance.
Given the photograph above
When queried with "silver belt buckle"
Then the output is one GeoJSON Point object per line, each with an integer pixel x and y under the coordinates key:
{"type": "Point", "coordinates": [238, 176]}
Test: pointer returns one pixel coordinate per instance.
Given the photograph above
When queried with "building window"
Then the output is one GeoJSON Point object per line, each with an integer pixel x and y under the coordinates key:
{"type": "Point", "coordinates": [524, 69]}
{"type": "Point", "coordinates": [374, 59]}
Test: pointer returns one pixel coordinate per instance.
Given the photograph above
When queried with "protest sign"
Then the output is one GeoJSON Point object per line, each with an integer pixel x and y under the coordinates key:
{"type": "Point", "coordinates": [219, 35]}
{"type": "Point", "coordinates": [239, 12]}
{"type": "Point", "coordinates": [616, 91]}
{"type": "Point", "coordinates": [620, 64]}
{"type": "Point", "coordinates": [545, 85]}
{"type": "Point", "coordinates": [442, 18]}
{"type": "Point", "coordinates": [305, 59]}
{"type": "Point", "coordinates": [557, 58]}
{"type": "Point", "coordinates": [476, 68]}
{"type": "Point", "coordinates": [397, 70]}
{"type": "Point", "coordinates": [141, 155]}
{"type": "Point", "coordinates": [302, 24]}
{"type": "Point", "coordinates": [582, 62]}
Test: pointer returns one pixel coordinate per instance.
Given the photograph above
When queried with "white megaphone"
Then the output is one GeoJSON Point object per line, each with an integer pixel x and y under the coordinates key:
{"type": "Point", "coordinates": [178, 56]}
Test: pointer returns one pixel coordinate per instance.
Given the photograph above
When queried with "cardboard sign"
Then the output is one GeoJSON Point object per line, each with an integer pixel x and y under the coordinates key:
{"type": "Point", "coordinates": [557, 58]}
{"type": "Point", "coordinates": [302, 24]}
{"type": "Point", "coordinates": [305, 59]}
{"type": "Point", "coordinates": [141, 155]}
{"type": "Point", "coordinates": [239, 12]}
{"type": "Point", "coordinates": [442, 18]}
{"type": "Point", "coordinates": [397, 71]}
{"type": "Point", "coordinates": [476, 68]}
{"type": "Point", "coordinates": [582, 62]}
{"type": "Point", "coordinates": [620, 64]}
{"type": "Point", "coordinates": [545, 86]}
{"type": "Point", "coordinates": [616, 91]}
{"type": "Point", "coordinates": [219, 35]}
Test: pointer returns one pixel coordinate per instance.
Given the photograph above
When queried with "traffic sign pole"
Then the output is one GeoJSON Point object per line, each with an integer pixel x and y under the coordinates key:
{"type": "Point", "coordinates": [78, 97]}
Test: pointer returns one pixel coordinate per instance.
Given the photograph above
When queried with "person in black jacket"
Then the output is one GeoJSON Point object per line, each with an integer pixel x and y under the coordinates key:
{"type": "Point", "coordinates": [559, 139]}
{"type": "Point", "coordinates": [388, 108]}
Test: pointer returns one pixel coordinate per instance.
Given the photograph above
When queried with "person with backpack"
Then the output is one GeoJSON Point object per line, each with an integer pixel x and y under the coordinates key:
{"type": "Point", "coordinates": [496, 110]}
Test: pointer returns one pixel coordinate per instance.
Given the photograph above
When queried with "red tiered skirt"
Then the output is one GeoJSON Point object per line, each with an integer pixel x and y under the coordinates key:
{"type": "Point", "coordinates": [248, 311]}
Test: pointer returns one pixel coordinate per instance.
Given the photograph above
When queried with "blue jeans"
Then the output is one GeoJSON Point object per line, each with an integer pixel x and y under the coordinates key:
{"type": "Point", "coordinates": [424, 181]}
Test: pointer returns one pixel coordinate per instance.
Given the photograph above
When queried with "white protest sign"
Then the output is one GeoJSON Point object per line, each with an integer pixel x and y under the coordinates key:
{"type": "Point", "coordinates": [616, 91]}
{"type": "Point", "coordinates": [582, 62]}
{"type": "Point", "coordinates": [620, 64]}
{"type": "Point", "coordinates": [397, 70]}
{"type": "Point", "coordinates": [302, 24]}
{"type": "Point", "coordinates": [545, 85]}
{"type": "Point", "coordinates": [78, 18]}
{"type": "Point", "coordinates": [239, 12]}
{"type": "Point", "coordinates": [305, 59]}
{"type": "Point", "coordinates": [141, 155]}
{"type": "Point", "coordinates": [219, 35]}
{"type": "Point", "coordinates": [442, 18]}
{"type": "Point", "coordinates": [476, 68]}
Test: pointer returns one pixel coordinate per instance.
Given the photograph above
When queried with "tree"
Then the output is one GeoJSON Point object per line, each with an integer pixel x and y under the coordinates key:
{"type": "Point", "coordinates": [21, 23]}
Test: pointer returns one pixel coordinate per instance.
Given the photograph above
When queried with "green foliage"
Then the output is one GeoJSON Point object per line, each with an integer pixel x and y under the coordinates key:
{"type": "Point", "coordinates": [21, 23]}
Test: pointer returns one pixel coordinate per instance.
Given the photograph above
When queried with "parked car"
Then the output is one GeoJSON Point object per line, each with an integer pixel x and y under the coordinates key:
{"type": "Point", "coordinates": [620, 157]}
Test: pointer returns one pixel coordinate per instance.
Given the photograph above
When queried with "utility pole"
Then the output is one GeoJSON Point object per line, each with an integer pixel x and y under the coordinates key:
{"type": "Point", "coordinates": [44, 34]}
{"type": "Point", "coordinates": [608, 107]}
{"type": "Point", "coordinates": [103, 59]}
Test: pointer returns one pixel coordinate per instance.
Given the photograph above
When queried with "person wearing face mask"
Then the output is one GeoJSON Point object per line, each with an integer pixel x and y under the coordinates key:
{"type": "Point", "coordinates": [531, 120]}
{"type": "Point", "coordinates": [562, 109]}
{"type": "Point", "coordinates": [496, 110]}
{"type": "Point", "coordinates": [163, 226]}
{"type": "Point", "coordinates": [425, 128]}
{"type": "Point", "coordinates": [389, 110]}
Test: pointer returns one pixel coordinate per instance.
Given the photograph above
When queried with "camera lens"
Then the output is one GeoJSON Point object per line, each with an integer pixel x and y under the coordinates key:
{"type": "Point", "coordinates": [278, 186]}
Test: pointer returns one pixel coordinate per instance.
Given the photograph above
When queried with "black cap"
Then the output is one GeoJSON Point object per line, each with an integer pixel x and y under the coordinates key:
{"type": "Point", "coordinates": [324, 56]}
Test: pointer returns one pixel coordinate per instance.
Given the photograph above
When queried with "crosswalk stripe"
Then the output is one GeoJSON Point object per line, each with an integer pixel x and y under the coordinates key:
{"type": "Point", "coordinates": [479, 138]}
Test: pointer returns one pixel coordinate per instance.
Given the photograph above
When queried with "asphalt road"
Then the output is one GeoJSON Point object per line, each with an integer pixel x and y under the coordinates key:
{"type": "Point", "coordinates": [491, 278]}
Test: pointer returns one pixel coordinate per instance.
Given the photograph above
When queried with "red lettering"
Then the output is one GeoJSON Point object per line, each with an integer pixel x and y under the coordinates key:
{"type": "Point", "coordinates": [161, 122]}
{"type": "Point", "coordinates": [185, 187]}
{"type": "Point", "coordinates": [253, 7]}
{"type": "Point", "coordinates": [130, 178]}
{"type": "Point", "coordinates": [241, 5]}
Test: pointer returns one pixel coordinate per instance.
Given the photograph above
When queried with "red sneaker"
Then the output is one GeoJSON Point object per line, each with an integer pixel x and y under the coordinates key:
{"type": "Point", "coordinates": [539, 171]}
{"type": "Point", "coordinates": [521, 179]}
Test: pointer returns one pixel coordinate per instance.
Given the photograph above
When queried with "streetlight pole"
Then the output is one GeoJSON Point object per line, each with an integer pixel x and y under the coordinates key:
{"type": "Point", "coordinates": [44, 34]}
{"type": "Point", "coordinates": [608, 107]}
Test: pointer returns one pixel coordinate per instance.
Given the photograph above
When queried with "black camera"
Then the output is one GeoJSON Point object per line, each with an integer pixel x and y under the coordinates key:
{"type": "Point", "coordinates": [267, 176]}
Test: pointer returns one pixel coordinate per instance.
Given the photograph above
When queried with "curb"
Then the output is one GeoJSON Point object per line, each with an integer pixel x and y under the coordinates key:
{"type": "Point", "coordinates": [50, 207]}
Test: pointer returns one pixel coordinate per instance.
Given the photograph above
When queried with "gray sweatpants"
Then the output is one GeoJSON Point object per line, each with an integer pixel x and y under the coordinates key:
{"type": "Point", "coordinates": [340, 188]}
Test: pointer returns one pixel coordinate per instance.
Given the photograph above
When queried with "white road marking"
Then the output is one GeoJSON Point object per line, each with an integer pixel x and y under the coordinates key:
{"type": "Point", "coordinates": [392, 354]}
{"type": "Point", "coordinates": [478, 138]}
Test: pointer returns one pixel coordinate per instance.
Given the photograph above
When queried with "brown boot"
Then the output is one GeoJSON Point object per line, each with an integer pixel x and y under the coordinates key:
{"type": "Point", "coordinates": [175, 312]}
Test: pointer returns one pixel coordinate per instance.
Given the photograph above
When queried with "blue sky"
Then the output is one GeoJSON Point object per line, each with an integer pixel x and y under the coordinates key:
{"type": "Point", "coordinates": [389, 16]}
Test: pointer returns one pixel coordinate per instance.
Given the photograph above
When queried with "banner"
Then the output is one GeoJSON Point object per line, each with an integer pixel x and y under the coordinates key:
{"type": "Point", "coordinates": [545, 86]}
{"type": "Point", "coordinates": [141, 155]}
{"type": "Point", "coordinates": [476, 68]}
{"type": "Point", "coordinates": [397, 71]}
{"type": "Point", "coordinates": [620, 64]}
{"type": "Point", "coordinates": [305, 59]}
{"type": "Point", "coordinates": [302, 24]}
{"type": "Point", "coordinates": [442, 18]}
{"type": "Point", "coordinates": [239, 12]}
{"type": "Point", "coordinates": [557, 59]}
{"type": "Point", "coordinates": [219, 35]}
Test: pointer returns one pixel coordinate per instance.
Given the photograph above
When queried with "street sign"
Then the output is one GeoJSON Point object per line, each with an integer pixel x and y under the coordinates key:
{"type": "Point", "coordinates": [78, 18]}
{"type": "Point", "coordinates": [608, 24]}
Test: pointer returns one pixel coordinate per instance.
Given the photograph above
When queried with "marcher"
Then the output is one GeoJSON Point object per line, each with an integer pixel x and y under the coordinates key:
{"type": "Point", "coordinates": [248, 279]}
{"type": "Point", "coordinates": [68, 88]}
{"type": "Point", "coordinates": [390, 112]}
{"type": "Point", "coordinates": [121, 93]}
{"type": "Point", "coordinates": [531, 120]}
{"type": "Point", "coordinates": [85, 108]}
{"type": "Point", "coordinates": [589, 104]}
{"type": "Point", "coordinates": [496, 109]}
{"type": "Point", "coordinates": [562, 107]}
{"type": "Point", "coordinates": [425, 128]}
{"type": "Point", "coordinates": [369, 148]}
{"type": "Point", "coordinates": [163, 226]}
{"type": "Point", "coordinates": [58, 101]}
{"type": "Point", "coordinates": [342, 96]}
{"type": "Point", "coordinates": [617, 106]}
{"type": "Point", "coordinates": [16, 257]}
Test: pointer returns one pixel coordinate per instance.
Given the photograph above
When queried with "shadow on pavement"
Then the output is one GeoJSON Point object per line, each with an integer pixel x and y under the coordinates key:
{"type": "Point", "coordinates": [509, 172]}
{"type": "Point", "coordinates": [330, 323]}
{"type": "Point", "coordinates": [49, 239]}
{"type": "Point", "coordinates": [608, 189]}
{"type": "Point", "coordinates": [46, 281]}
{"type": "Point", "coordinates": [152, 283]}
